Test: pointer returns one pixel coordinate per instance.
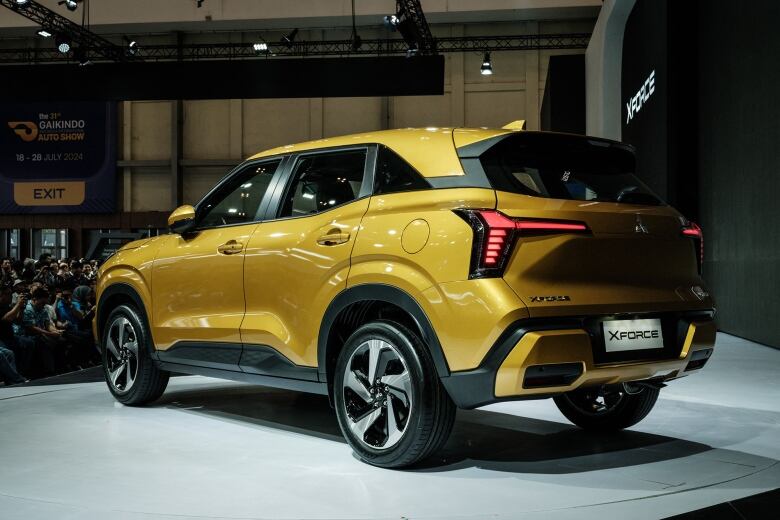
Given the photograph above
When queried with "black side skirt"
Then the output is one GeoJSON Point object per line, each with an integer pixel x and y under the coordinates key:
{"type": "Point", "coordinates": [256, 364]}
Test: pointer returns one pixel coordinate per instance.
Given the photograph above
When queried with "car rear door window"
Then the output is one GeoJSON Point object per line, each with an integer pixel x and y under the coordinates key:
{"type": "Point", "coordinates": [324, 181]}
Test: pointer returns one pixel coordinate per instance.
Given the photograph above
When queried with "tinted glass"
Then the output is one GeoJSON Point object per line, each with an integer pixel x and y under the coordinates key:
{"type": "Point", "coordinates": [565, 167]}
{"type": "Point", "coordinates": [324, 181]}
{"type": "Point", "coordinates": [393, 174]}
{"type": "Point", "coordinates": [238, 201]}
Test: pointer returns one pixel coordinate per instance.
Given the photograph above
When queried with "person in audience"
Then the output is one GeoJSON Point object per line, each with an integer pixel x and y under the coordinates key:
{"type": "Point", "coordinates": [9, 372]}
{"type": "Point", "coordinates": [63, 274]}
{"type": "Point", "coordinates": [76, 278]}
{"type": "Point", "coordinates": [72, 311]}
{"type": "Point", "coordinates": [48, 338]}
{"type": "Point", "coordinates": [19, 287]}
{"type": "Point", "coordinates": [28, 270]}
{"type": "Point", "coordinates": [45, 276]}
{"type": "Point", "coordinates": [7, 274]}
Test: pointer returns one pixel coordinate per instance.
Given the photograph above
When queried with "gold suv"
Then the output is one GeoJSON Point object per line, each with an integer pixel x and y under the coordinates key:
{"type": "Point", "coordinates": [406, 273]}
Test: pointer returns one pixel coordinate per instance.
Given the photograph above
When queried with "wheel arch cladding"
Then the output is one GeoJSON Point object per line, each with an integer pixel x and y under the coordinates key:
{"type": "Point", "coordinates": [115, 295]}
{"type": "Point", "coordinates": [360, 304]}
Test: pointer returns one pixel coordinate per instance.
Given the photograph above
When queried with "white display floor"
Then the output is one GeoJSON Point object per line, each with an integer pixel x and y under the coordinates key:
{"type": "Point", "coordinates": [215, 449]}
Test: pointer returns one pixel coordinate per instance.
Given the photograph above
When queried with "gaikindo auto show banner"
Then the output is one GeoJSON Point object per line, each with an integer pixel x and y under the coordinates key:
{"type": "Point", "coordinates": [57, 157]}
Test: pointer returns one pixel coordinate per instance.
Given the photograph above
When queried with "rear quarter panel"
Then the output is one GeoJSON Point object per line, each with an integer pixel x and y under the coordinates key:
{"type": "Point", "coordinates": [467, 315]}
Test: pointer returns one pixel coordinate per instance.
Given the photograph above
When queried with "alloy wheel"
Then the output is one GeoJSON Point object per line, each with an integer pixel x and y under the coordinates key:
{"type": "Point", "coordinates": [122, 358]}
{"type": "Point", "coordinates": [377, 392]}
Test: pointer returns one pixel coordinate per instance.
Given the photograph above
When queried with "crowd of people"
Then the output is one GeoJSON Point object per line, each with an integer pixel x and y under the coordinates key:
{"type": "Point", "coordinates": [46, 312]}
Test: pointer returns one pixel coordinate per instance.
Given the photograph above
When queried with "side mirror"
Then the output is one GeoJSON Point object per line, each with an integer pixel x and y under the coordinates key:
{"type": "Point", "coordinates": [182, 219]}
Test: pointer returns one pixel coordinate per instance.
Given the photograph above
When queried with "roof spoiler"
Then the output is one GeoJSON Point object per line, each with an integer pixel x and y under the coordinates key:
{"type": "Point", "coordinates": [515, 125]}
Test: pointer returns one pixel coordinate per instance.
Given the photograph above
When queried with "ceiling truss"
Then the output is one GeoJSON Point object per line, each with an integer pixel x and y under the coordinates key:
{"type": "Point", "coordinates": [106, 51]}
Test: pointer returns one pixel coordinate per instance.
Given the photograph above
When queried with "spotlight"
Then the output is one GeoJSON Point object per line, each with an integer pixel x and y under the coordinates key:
{"type": "Point", "coordinates": [290, 38]}
{"type": "Point", "coordinates": [411, 52]}
{"type": "Point", "coordinates": [391, 22]}
{"type": "Point", "coordinates": [63, 44]}
{"type": "Point", "coordinates": [72, 5]}
{"type": "Point", "coordinates": [21, 3]}
{"type": "Point", "coordinates": [487, 67]}
{"type": "Point", "coordinates": [44, 33]}
{"type": "Point", "coordinates": [260, 47]}
{"type": "Point", "coordinates": [132, 48]}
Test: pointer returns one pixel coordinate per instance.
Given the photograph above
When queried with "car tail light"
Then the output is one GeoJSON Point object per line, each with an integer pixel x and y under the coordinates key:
{"type": "Point", "coordinates": [692, 230]}
{"type": "Point", "coordinates": [496, 233]}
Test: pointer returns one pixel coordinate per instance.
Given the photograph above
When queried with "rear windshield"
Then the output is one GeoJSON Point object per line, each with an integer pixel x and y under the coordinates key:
{"type": "Point", "coordinates": [565, 167]}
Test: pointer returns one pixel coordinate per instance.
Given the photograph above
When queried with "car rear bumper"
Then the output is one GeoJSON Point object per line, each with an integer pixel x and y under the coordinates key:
{"type": "Point", "coordinates": [540, 358]}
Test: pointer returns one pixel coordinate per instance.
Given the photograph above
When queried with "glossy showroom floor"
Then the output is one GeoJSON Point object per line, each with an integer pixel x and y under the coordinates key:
{"type": "Point", "coordinates": [213, 449]}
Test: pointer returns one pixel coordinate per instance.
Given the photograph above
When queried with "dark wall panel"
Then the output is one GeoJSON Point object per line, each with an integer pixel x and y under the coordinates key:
{"type": "Point", "coordinates": [739, 162]}
{"type": "Point", "coordinates": [563, 103]}
{"type": "Point", "coordinates": [238, 79]}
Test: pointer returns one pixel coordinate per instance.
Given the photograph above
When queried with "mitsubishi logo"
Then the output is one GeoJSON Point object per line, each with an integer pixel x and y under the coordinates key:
{"type": "Point", "coordinates": [640, 227]}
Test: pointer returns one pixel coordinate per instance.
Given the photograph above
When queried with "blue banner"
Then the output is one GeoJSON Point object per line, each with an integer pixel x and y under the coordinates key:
{"type": "Point", "coordinates": [58, 157]}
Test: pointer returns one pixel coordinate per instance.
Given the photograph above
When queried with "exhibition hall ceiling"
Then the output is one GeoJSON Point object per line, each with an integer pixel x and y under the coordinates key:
{"type": "Point", "coordinates": [109, 16]}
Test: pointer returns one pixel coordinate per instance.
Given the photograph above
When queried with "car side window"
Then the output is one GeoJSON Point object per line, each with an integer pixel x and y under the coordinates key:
{"type": "Point", "coordinates": [323, 181]}
{"type": "Point", "coordinates": [393, 174]}
{"type": "Point", "coordinates": [238, 201]}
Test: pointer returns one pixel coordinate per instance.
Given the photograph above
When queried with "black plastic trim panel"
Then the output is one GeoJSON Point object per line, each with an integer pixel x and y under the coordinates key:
{"type": "Point", "coordinates": [224, 356]}
{"type": "Point", "coordinates": [260, 360]}
{"type": "Point", "coordinates": [383, 293]}
{"type": "Point", "coordinates": [112, 290]}
{"type": "Point", "coordinates": [298, 385]}
{"type": "Point", "coordinates": [264, 360]}
{"type": "Point", "coordinates": [476, 387]}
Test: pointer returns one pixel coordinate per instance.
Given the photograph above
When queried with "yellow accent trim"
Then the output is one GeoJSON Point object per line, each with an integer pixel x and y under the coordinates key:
{"type": "Point", "coordinates": [515, 125]}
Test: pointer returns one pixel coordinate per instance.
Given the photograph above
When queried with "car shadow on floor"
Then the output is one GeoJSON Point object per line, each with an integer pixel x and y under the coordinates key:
{"type": "Point", "coordinates": [480, 438]}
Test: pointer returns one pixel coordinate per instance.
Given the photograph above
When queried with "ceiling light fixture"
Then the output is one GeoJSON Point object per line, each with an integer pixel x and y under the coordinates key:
{"type": "Point", "coordinates": [63, 44]}
{"type": "Point", "coordinates": [290, 39]}
{"type": "Point", "coordinates": [487, 66]}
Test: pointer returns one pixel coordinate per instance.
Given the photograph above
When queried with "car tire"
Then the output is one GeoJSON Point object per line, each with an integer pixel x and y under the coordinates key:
{"type": "Point", "coordinates": [405, 387]}
{"type": "Point", "coordinates": [131, 374]}
{"type": "Point", "coordinates": [606, 408]}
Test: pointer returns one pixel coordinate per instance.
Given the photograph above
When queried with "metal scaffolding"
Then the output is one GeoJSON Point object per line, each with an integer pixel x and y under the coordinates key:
{"type": "Point", "coordinates": [236, 51]}
{"type": "Point", "coordinates": [77, 35]}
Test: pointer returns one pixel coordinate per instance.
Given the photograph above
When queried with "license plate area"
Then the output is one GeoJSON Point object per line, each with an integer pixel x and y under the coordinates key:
{"type": "Point", "coordinates": [637, 334]}
{"type": "Point", "coordinates": [673, 330]}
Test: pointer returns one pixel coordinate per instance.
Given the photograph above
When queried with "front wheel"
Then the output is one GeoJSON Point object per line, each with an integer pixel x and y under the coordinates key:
{"type": "Point", "coordinates": [391, 406]}
{"type": "Point", "coordinates": [606, 408]}
{"type": "Point", "coordinates": [131, 375]}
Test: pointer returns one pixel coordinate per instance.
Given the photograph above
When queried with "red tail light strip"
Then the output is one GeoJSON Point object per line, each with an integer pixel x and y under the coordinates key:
{"type": "Point", "coordinates": [549, 226]}
{"type": "Point", "coordinates": [495, 233]}
{"type": "Point", "coordinates": [693, 230]}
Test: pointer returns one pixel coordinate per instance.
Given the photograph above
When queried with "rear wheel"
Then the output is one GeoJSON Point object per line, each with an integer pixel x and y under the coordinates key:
{"type": "Point", "coordinates": [131, 375]}
{"type": "Point", "coordinates": [391, 406]}
{"type": "Point", "coordinates": [607, 408]}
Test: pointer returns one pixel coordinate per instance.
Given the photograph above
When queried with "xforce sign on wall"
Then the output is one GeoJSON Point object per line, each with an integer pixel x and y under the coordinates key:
{"type": "Point", "coordinates": [57, 157]}
{"type": "Point", "coordinates": [643, 86]}
{"type": "Point", "coordinates": [657, 89]}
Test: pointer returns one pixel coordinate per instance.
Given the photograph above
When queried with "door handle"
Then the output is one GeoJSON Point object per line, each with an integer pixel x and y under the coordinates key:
{"type": "Point", "coordinates": [333, 239]}
{"type": "Point", "coordinates": [231, 247]}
